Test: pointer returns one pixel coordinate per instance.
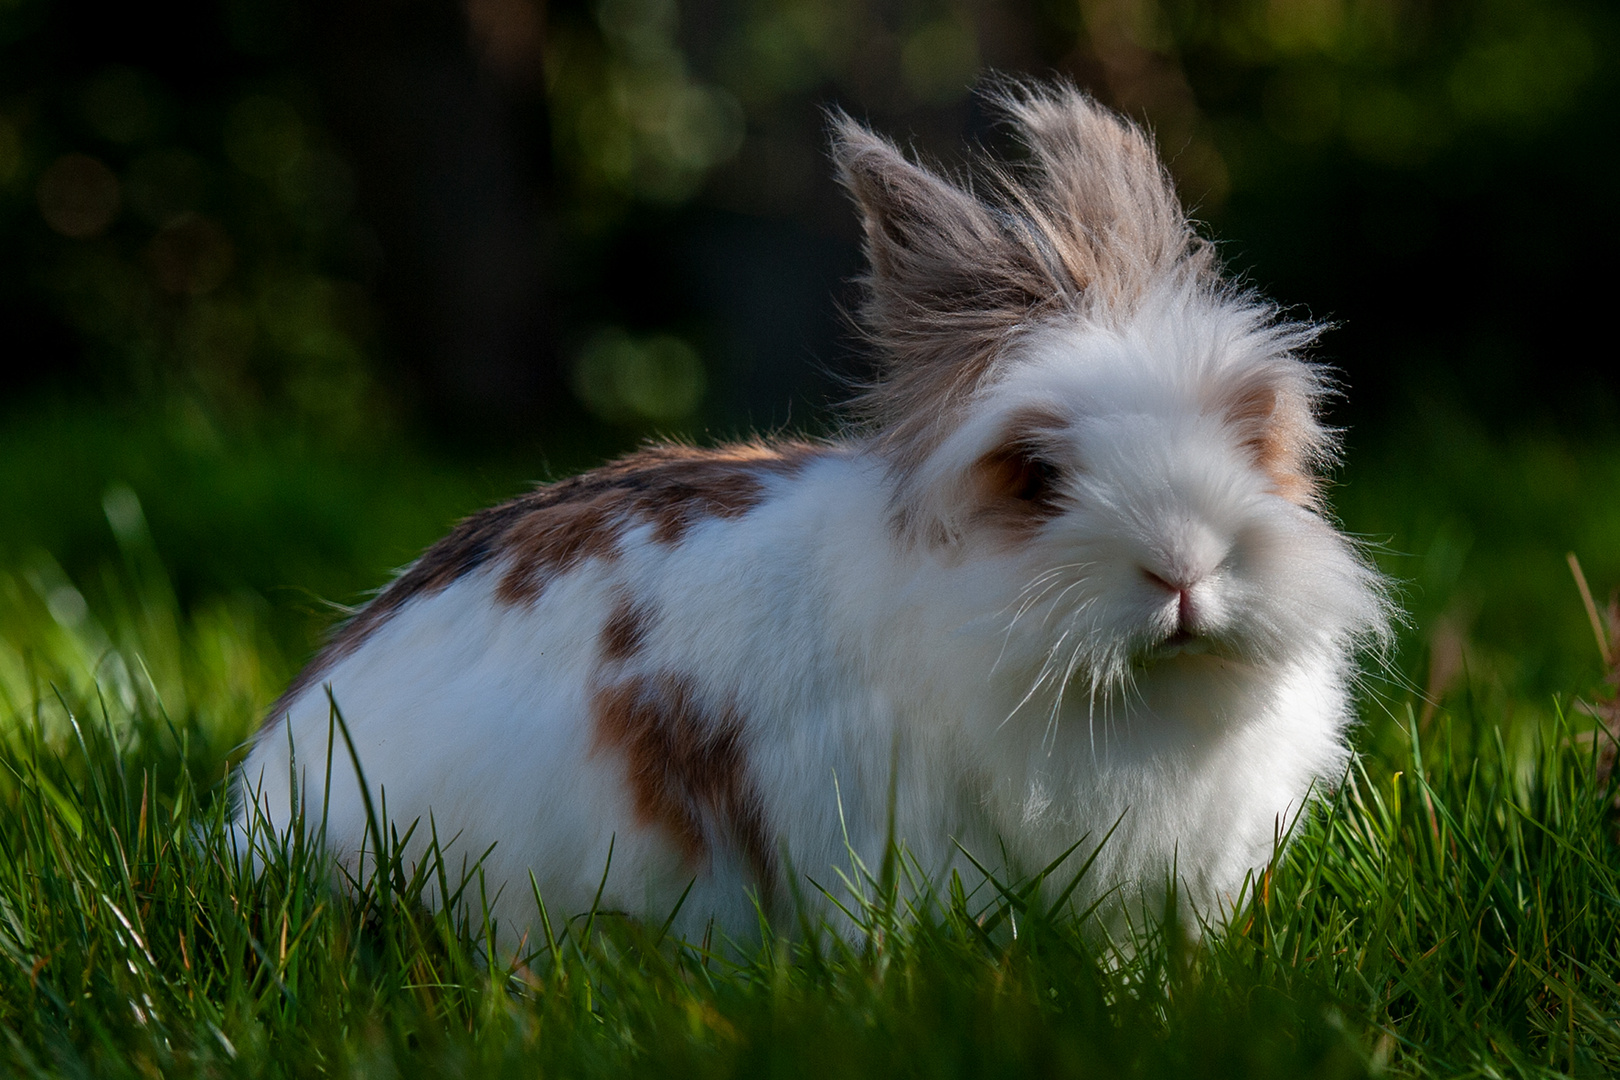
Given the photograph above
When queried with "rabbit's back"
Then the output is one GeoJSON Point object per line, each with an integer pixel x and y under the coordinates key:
{"type": "Point", "coordinates": [642, 656]}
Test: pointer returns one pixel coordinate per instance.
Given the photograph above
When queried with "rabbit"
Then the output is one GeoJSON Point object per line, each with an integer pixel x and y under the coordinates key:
{"type": "Point", "coordinates": [1065, 569]}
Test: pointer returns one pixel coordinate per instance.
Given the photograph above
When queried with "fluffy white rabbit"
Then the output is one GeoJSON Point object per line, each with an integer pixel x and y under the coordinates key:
{"type": "Point", "coordinates": [1069, 566]}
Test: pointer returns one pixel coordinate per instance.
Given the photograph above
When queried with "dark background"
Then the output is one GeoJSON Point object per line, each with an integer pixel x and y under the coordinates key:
{"type": "Point", "coordinates": [428, 216]}
{"type": "Point", "coordinates": [310, 280]}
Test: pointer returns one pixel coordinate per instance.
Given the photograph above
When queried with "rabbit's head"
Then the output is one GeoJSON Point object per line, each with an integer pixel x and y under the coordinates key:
{"type": "Point", "coordinates": [1071, 393]}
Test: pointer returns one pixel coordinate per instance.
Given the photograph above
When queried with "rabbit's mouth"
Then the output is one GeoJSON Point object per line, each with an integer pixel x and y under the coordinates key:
{"type": "Point", "coordinates": [1183, 643]}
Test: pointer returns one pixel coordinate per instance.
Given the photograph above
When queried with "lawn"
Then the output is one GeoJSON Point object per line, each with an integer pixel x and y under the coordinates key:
{"type": "Point", "coordinates": [1452, 908]}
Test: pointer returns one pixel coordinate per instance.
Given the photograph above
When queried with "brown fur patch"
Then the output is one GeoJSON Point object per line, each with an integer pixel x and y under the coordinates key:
{"type": "Point", "coordinates": [670, 487]}
{"type": "Point", "coordinates": [625, 630]}
{"type": "Point", "coordinates": [1280, 433]}
{"type": "Point", "coordinates": [1018, 483]}
{"type": "Point", "coordinates": [557, 527]}
{"type": "Point", "coordinates": [687, 768]}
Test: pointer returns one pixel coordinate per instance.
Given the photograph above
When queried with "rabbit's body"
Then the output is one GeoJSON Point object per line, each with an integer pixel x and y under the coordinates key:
{"type": "Point", "coordinates": [1076, 577]}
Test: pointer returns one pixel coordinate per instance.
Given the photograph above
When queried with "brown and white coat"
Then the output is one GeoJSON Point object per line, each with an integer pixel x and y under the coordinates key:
{"type": "Point", "coordinates": [1068, 567]}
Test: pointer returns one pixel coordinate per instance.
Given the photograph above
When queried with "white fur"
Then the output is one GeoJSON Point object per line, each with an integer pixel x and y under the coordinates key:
{"type": "Point", "coordinates": [1020, 687]}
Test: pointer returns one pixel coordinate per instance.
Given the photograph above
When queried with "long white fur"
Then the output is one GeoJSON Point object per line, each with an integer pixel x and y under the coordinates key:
{"type": "Point", "coordinates": [1021, 689]}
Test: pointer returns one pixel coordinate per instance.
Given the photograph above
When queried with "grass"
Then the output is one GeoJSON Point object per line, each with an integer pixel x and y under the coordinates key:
{"type": "Point", "coordinates": [1453, 908]}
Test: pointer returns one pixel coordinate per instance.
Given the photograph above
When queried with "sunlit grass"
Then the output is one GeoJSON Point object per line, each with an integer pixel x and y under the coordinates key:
{"type": "Point", "coordinates": [1450, 911]}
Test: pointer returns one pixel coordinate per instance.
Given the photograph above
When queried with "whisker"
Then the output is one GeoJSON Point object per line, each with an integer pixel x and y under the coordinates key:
{"type": "Point", "coordinates": [1041, 679]}
{"type": "Point", "coordinates": [1033, 594]}
{"type": "Point", "coordinates": [1037, 590]}
{"type": "Point", "coordinates": [1006, 637]}
{"type": "Point", "coordinates": [1068, 674]}
{"type": "Point", "coordinates": [1074, 585]}
{"type": "Point", "coordinates": [1045, 577]}
{"type": "Point", "coordinates": [1091, 718]}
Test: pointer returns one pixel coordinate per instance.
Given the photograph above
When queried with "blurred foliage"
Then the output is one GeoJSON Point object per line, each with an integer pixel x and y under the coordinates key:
{"type": "Point", "coordinates": [1475, 531]}
{"type": "Point", "coordinates": [631, 120]}
{"type": "Point", "coordinates": [136, 649]}
{"type": "Point", "coordinates": [189, 243]}
{"type": "Point", "coordinates": [291, 526]}
{"type": "Point", "coordinates": [620, 378]}
{"type": "Point", "coordinates": [1392, 82]}
{"type": "Point", "coordinates": [181, 217]}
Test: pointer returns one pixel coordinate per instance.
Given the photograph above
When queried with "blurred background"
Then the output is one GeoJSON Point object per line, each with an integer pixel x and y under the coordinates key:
{"type": "Point", "coordinates": [286, 286]}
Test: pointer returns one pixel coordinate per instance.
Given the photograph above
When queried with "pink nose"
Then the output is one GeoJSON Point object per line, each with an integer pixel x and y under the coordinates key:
{"type": "Point", "coordinates": [1184, 601]}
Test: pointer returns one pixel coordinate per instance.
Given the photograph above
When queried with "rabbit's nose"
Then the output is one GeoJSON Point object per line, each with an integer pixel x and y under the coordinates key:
{"type": "Point", "coordinates": [1181, 587]}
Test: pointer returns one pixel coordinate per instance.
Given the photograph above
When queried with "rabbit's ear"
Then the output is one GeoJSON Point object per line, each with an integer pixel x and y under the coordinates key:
{"type": "Point", "coordinates": [1096, 196]}
{"type": "Point", "coordinates": [947, 284]}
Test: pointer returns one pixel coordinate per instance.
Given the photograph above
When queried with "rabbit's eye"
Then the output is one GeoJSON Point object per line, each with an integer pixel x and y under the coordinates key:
{"type": "Point", "coordinates": [1033, 479]}
{"type": "Point", "coordinates": [1020, 480]}
{"type": "Point", "coordinates": [1021, 475]}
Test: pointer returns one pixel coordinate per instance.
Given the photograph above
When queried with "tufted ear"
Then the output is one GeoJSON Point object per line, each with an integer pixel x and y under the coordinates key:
{"type": "Point", "coordinates": [947, 284]}
{"type": "Point", "coordinates": [1088, 224]}
{"type": "Point", "coordinates": [1097, 196]}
